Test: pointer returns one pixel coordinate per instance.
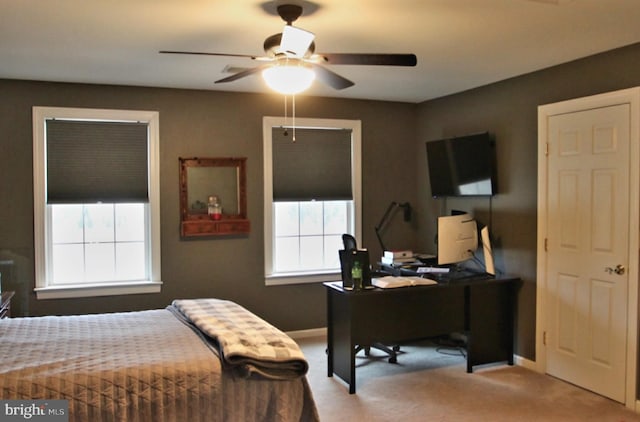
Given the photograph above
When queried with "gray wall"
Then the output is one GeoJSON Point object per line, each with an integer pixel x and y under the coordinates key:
{"type": "Point", "coordinates": [204, 124]}
{"type": "Point", "coordinates": [508, 109]}
{"type": "Point", "coordinates": [217, 124]}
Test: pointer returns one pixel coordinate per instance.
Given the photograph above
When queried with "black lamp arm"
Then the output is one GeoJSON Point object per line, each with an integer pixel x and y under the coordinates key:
{"type": "Point", "coordinates": [407, 216]}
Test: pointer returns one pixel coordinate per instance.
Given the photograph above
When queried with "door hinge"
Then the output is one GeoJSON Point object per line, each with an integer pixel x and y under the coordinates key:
{"type": "Point", "coordinates": [546, 149]}
{"type": "Point", "coordinates": [546, 244]}
{"type": "Point", "coordinates": [544, 338]}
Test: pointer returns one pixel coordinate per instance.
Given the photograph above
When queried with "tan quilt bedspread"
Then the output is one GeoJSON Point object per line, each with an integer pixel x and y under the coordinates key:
{"type": "Point", "coordinates": [247, 344]}
{"type": "Point", "coordinates": [136, 366]}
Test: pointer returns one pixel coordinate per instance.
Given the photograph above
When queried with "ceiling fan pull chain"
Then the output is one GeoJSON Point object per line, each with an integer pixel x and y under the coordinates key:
{"type": "Point", "coordinates": [293, 116]}
{"type": "Point", "coordinates": [285, 131]}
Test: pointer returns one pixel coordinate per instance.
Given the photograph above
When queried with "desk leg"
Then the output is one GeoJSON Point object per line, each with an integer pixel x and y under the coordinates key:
{"type": "Point", "coordinates": [467, 326]}
{"type": "Point", "coordinates": [329, 335]}
{"type": "Point", "coordinates": [340, 347]}
{"type": "Point", "coordinates": [343, 357]}
{"type": "Point", "coordinates": [352, 384]}
{"type": "Point", "coordinates": [490, 313]}
{"type": "Point", "coordinates": [345, 366]}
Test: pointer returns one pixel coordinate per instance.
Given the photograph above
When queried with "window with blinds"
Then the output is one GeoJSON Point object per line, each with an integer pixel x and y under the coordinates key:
{"type": "Point", "coordinates": [97, 202]}
{"type": "Point", "coordinates": [312, 190]}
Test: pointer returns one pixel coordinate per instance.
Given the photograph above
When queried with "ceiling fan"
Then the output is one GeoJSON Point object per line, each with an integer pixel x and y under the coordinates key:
{"type": "Point", "coordinates": [294, 47]}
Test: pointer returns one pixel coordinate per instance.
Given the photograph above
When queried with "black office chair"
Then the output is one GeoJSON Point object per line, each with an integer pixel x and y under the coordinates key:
{"type": "Point", "coordinates": [350, 243]}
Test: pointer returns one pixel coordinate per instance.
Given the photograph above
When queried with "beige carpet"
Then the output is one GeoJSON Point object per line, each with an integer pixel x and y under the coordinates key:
{"type": "Point", "coordinates": [426, 385]}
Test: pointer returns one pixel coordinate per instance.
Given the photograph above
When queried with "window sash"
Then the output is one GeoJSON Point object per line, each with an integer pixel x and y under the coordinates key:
{"type": "Point", "coordinates": [104, 231]}
{"type": "Point", "coordinates": [310, 234]}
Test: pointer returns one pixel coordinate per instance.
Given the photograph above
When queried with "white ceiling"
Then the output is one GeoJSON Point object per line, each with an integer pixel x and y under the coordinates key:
{"type": "Point", "coordinates": [460, 44]}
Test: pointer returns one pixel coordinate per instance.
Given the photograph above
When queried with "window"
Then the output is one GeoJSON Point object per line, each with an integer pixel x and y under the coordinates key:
{"type": "Point", "coordinates": [96, 202]}
{"type": "Point", "coordinates": [311, 197]}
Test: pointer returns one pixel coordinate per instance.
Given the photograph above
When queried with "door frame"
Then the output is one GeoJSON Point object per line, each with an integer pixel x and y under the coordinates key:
{"type": "Point", "coordinates": [629, 96]}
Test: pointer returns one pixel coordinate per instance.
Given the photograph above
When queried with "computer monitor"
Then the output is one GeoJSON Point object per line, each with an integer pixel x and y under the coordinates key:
{"type": "Point", "coordinates": [457, 238]}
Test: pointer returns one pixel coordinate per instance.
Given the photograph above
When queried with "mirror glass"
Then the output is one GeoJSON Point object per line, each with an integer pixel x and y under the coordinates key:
{"type": "Point", "coordinates": [203, 182]}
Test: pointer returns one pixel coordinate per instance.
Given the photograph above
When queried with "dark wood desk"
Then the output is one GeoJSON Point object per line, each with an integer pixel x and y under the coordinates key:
{"type": "Point", "coordinates": [483, 309]}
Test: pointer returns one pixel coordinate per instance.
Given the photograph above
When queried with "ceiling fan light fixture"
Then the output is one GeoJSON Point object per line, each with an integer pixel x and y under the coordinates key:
{"type": "Point", "coordinates": [292, 64]}
{"type": "Point", "coordinates": [289, 76]}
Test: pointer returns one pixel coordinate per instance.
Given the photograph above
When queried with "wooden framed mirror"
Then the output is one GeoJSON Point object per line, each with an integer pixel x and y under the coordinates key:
{"type": "Point", "coordinates": [213, 196]}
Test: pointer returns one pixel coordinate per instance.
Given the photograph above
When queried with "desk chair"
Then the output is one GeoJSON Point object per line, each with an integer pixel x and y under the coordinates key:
{"type": "Point", "coordinates": [350, 243]}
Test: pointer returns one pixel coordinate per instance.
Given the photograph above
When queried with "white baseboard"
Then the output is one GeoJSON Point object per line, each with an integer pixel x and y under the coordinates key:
{"type": "Point", "coordinates": [525, 363]}
{"type": "Point", "coordinates": [313, 332]}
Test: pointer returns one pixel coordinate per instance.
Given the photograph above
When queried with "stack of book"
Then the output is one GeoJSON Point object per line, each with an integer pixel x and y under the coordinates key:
{"type": "Point", "coordinates": [398, 258]}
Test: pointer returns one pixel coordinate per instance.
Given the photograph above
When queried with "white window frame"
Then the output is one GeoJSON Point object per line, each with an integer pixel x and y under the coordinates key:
{"type": "Point", "coordinates": [42, 218]}
{"type": "Point", "coordinates": [268, 123]}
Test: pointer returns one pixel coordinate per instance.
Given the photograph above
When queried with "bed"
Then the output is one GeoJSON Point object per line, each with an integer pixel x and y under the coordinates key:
{"type": "Point", "coordinates": [196, 360]}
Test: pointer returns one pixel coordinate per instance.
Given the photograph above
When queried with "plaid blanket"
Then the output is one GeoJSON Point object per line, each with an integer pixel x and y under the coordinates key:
{"type": "Point", "coordinates": [245, 342]}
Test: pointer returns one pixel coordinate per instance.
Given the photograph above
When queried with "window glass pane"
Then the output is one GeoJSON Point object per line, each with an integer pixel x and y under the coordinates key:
{"type": "Point", "coordinates": [321, 227]}
{"type": "Point", "coordinates": [67, 225]}
{"type": "Point", "coordinates": [335, 217]}
{"type": "Point", "coordinates": [68, 263]}
{"type": "Point", "coordinates": [287, 254]}
{"type": "Point", "coordinates": [332, 244]}
{"type": "Point", "coordinates": [100, 262]}
{"type": "Point", "coordinates": [286, 218]}
{"type": "Point", "coordinates": [311, 252]}
{"type": "Point", "coordinates": [98, 258]}
{"type": "Point", "coordinates": [130, 261]}
{"type": "Point", "coordinates": [98, 223]}
{"type": "Point", "coordinates": [130, 222]}
{"type": "Point", "coordinates": [311, 220]}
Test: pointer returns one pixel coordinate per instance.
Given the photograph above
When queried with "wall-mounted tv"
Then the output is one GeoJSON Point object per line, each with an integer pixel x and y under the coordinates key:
{"type": "Point", "coordinates": [462, 166]}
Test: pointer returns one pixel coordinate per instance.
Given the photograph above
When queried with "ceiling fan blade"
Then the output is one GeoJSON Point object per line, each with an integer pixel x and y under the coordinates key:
{"type": "Point", "coordinates": [370, 59]}
{"type": "Point", "coordinates": [296, 40]}
{"type": "Point", "coordinates": [202, 53]}
{"type": "Point", "coordinates": [243, 74]}
{"type": "Point", "coordinates": [331, 78]}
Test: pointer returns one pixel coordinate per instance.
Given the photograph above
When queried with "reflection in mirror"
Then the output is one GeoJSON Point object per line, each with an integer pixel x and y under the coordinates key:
{"type": "Point", "coordinates": [213, 196]}
{"type": "Point", "coordinates": [221, 182]}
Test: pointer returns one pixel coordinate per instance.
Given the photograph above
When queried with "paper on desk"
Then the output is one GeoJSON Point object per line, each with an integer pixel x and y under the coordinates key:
{"type": "Point", "coordinates": [432, 270]}
{"type": "Point", "coordinates": [389, 282]}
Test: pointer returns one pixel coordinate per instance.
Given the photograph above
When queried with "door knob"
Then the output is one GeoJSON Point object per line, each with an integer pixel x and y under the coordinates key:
{"type": "Point", "coordinates": [619, 269]}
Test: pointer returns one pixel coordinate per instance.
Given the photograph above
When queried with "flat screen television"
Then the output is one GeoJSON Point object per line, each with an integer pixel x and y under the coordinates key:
{"type": "Point", "coordinates": [462, 166]}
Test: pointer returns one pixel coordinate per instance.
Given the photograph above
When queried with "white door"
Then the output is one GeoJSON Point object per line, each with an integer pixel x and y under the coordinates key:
{"type": "Point", "coordinates": [588, 248]}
